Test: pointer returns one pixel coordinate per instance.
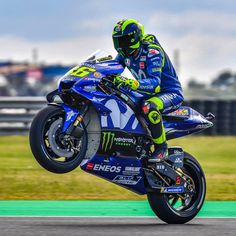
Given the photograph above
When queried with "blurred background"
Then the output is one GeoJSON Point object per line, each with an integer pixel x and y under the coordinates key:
{"type": "Point", "coordinates": [41, 40]}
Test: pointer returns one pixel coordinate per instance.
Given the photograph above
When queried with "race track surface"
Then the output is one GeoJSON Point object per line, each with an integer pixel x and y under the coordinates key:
{"type": "Point", "coordinates": [102, 226]}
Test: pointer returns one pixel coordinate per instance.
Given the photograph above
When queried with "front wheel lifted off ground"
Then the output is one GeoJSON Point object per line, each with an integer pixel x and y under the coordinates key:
{"type": "Point", "coordinates": [55, 151]}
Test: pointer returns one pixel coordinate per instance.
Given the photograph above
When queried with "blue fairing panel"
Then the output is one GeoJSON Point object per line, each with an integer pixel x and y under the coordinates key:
{"type": "Point", "coordinates": [109, 67]}
{"type": "Point", "coordinates": [184, 121]}
{"type": "Point", "coordinates": [126, 172]}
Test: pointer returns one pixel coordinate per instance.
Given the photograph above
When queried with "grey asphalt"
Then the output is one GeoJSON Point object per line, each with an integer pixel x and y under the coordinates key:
{"type": "Point", "coordinates": [10, 226]}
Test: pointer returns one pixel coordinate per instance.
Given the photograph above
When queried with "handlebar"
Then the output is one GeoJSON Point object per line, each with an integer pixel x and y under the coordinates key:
{"type": "Point", "coordinates": [106, 84]}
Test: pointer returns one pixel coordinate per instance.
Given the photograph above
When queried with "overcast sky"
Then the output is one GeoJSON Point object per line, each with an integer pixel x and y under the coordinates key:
{"type": "Point", "coordinates": [204, 31]}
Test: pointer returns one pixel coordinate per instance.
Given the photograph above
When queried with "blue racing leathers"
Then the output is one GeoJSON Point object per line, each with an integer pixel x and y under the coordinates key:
{"type": "Point", "coordinates": [155, 73]}
{"type": "Point", "coordinates": [158, 82]}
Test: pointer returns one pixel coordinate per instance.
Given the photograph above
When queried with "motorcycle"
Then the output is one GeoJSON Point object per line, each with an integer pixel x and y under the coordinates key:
{"type": "Point", "coordinates": [100, 128]}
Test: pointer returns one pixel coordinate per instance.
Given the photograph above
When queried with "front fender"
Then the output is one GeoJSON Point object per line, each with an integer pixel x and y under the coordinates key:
{"type": "Point", "coordinates": [70, 114]}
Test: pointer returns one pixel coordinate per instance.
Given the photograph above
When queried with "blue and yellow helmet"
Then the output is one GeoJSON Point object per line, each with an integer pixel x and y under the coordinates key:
{"type": "Point", "coordinates": [127, 36]}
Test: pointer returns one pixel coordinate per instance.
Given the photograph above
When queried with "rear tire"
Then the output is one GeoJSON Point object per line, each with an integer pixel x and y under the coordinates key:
{"type": "Point", "coordinates": [165, 211]}
{"type": "Point", "coordinates": [42, 151]}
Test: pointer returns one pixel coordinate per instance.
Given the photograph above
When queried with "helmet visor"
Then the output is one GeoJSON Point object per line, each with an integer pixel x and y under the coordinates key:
{"type": "Point", "coordinates": [123, 44]}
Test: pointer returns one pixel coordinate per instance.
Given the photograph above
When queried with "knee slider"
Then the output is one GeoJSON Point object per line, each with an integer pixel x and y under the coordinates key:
{"type": "Point", "coordinates": [154, 117]}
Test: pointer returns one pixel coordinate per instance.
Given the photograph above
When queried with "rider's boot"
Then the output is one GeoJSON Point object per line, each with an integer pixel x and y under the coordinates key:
{"type": "Point", "coordinates": [153, 115]}
{"type": "Point", "coordinates": [160, 154]}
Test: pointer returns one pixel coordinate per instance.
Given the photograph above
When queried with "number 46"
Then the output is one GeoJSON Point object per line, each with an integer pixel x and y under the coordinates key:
{"type": "Point", "coordinates": [81, 71]}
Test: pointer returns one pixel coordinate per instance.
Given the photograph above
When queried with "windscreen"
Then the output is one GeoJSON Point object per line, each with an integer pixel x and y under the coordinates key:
{"type": "Point", "coordinates": [98, 56]}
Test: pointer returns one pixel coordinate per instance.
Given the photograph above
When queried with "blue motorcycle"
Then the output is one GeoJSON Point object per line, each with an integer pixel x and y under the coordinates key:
{"type": "Point", "coordinates": [100, 128]}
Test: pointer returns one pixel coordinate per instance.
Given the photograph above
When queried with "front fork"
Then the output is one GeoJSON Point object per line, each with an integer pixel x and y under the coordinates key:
{"type": "Point", "coordinates": [73, 118]}
{"type": "Point", "coordinates": [74, 128]}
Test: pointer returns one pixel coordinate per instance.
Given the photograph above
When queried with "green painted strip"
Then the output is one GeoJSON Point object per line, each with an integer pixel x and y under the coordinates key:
{"type": "Point", "coordinates": [102, 208]}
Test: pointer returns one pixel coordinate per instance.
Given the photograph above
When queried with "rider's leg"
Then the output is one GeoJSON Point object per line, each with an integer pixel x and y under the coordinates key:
{"type": "Point", "coordinates": [151, 109]}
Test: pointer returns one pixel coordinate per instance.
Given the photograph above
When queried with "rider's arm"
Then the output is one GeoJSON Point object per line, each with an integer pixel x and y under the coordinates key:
{"type": "Point", "coordinates": [154, 62]}
{"type": "Point", "coordinates": [121, 60]}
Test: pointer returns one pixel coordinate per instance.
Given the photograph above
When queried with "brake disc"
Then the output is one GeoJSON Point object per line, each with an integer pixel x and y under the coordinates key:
{"type": "Point", "coordinates": [57, 148]}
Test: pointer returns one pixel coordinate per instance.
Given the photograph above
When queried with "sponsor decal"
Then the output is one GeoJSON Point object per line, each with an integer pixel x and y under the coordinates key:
{"type": "Point", "coordinates": [108, 139]}
{"type": "Point", "coordinates": [104, 168]}
{"type": "Point", "coordinates": [89, 88]}
{"type": "Point", "coordinates": [105, 58]}
{"type": "Point", "coordinates": [153, 51]}
{"type": "Point", "coordinates": [87, 65]}
{"type": "Point", "coordinates": [90, 166]}
{"type": "Point", "coordinates": [180, 112]}
{"type": "Point", "coordinates": [124, 141]}
{"type": "Point", "coordinates": [141, 65]}
{"type": "Point", "coordinates": [127, 62]}
{"type": "Point", "coordinates": [160, 167]}
{"type": "Point", "coordinates": [97, 75]}
{"type": "Point", "coordinates": [143, 58]}
{"type": "Point", "coordinates": [177, 151]}
{"type": "Point", "coordinates": [114, 117]}
{"type": "Point", "coordinates": [88, 78]}
{"type": "Point", "coordinates": [203, 126]}
{"type": "Point", "coordinates": [67, 78]}
{"type": "Point", "coordinates": [144, 87]}
{"type": "Point", "coordinates": [125, 179]}
{"type": "Point", "coordinates": [178, 160]}
{"type": "Point", "coordinates": [178, 180]}
{"type": "Point", "coordinates": [179, 189]}
{"type": "Point", "coordinates": [131, 170]}
{"type": "Point", "coordinates": [157, 63]}
{"type": "Point", "coordinates": [70, 114]}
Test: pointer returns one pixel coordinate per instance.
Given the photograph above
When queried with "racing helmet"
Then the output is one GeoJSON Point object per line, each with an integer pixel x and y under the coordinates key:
{"type": "Point", "coordinates": [127, 36]}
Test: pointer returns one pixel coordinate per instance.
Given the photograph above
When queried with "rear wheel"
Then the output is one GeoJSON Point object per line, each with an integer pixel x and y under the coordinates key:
{"type": "Point", "coordinates": [57, 152]}
{"type": "Point", "coordinates": [181, 208]}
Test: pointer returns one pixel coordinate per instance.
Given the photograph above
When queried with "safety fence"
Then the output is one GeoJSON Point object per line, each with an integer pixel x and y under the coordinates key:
{"type": "Point", "coordinates": [16, 114]}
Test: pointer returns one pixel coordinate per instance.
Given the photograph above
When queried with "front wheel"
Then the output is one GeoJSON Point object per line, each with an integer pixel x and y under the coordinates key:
{"type": "Point", "coordinates": [181, 208]}
{"type": "Point", "coordinates": [55, 151]}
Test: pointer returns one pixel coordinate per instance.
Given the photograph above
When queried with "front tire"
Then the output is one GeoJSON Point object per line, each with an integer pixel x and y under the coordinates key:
{"type": "Point", "coordinates": [52, 150]}
{"type": "Point", "coordinates": [164, 205]}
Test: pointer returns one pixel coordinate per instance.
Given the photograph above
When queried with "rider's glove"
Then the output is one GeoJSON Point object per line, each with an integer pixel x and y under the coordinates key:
{"type": "Point", "coordinates": [121, 81]}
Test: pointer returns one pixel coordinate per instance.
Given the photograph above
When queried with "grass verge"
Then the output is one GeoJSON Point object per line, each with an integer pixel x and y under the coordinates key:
{"type": "Point", "coordinates": [22, 178]}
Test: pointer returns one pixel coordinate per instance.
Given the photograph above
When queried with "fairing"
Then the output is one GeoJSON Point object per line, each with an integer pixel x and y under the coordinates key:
{"type": "Point", "coordinates": [114, 114]}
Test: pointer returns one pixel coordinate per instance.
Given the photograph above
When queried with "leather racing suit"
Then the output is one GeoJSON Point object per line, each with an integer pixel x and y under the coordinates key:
{"type": "Point", "coordinates": [158, 82]}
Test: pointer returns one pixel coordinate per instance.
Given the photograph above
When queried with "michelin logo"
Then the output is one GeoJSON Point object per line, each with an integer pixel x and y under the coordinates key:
{"type": "Point", "coordinates": [179, 189]}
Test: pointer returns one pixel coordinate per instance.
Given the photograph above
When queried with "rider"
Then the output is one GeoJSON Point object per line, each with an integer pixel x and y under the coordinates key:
{"type": "Point", "coordinates": [155, 78]}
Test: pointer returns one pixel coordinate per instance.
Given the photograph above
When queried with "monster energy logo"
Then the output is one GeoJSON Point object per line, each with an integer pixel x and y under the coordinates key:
{"type": "Point", "coordinates": [107, 140]}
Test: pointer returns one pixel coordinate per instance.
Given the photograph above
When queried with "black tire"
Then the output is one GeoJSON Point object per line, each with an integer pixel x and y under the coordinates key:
{"type": "Point", "coordinates": [160, 203]}
{"type": "Point", "coordinates": [44, 156]}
